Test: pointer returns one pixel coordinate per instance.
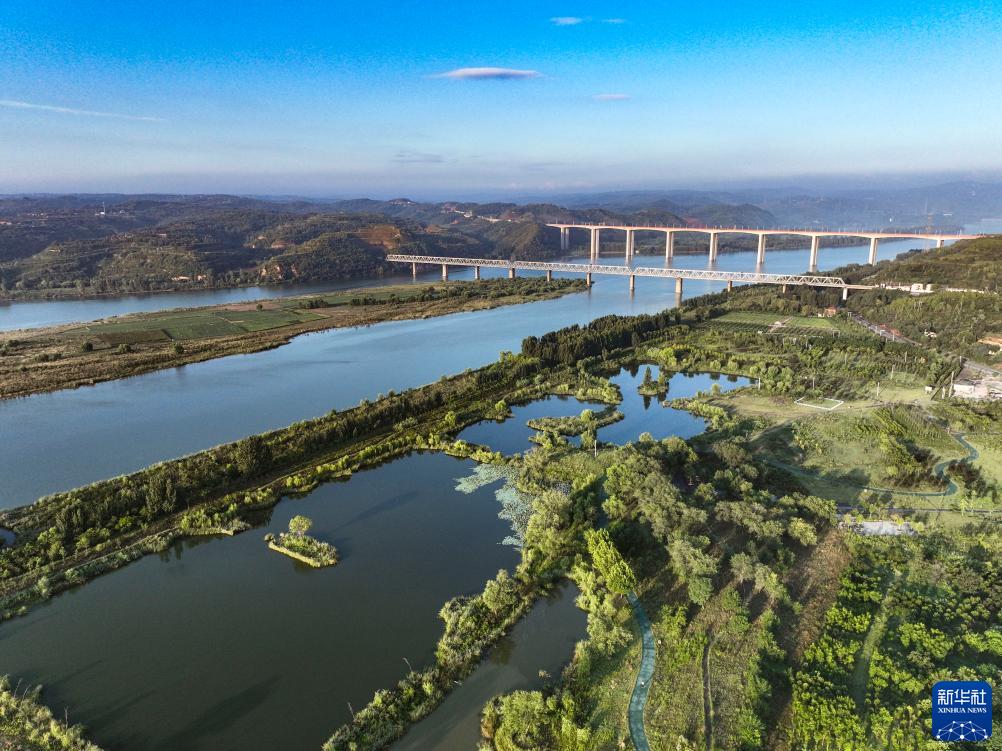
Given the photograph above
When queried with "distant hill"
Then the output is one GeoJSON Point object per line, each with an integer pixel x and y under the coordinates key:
{"type": "Point", "coordinates": [727, 215]}
{"type": "Point", "coordinates": [968, 264]}
{"type": "Point", "coordinates": [945, 205]}
{"type": "Point", "coordinates": [264, 242]}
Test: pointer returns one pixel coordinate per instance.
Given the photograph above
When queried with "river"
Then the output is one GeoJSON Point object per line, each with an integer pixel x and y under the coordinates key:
{"type": "Point", "coordinates": [68, 438]}
{"type": "Point", "coordinates": [32, 314]}
{"type": "Point", "coordinates": [38, 313]}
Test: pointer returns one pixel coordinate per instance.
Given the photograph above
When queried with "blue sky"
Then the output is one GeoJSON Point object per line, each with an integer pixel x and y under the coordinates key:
{"type": "Point", "coordinates": [335, 98]}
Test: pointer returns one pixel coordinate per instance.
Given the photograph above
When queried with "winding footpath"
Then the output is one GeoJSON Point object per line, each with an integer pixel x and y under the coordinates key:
{"type": "Point", "coordinates": [939, 470]}
{"type": "Point", "coordinates": [638, 701]}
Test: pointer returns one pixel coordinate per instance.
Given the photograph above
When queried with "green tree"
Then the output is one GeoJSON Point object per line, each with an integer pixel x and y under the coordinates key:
{"type": "Point", "coordinates": [299, 525]}
{"type": "Point", "coordinates": [253, 456]}
{"type": "Point", "coordinates": [618, 575]}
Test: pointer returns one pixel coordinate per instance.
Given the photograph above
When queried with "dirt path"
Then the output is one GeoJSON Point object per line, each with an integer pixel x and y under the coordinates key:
{"type": "Point", "coordinates": [861, 673]}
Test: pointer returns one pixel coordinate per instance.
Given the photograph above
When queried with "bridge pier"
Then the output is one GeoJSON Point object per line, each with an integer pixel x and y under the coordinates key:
{"type": "Point", "coordinates": [714, 245]}
{"type": "Point", "coordinates": [414, 270]}
{"type": "Point", "coordinates": [678, 285]}
{"type": "Point", "coordinates": [730, 285]}
{"type": "Point", "coordinates": [511, 272]}
{"type": "Point", "coordinates": [760, 258]}
{"type": "Point", "coordinates": [596, 240]}
{"type": "Point", "coordinates": [549, 275]}
{"type": "Point", "coordinates": [784, 289]}
{"type": "Point", "coordinates": [669, 245]}
{"type": "Point", "coordinates": [565, 238]}
{"type": "Point", "coordinates": [873, 250]}
{"type": "Point", "coordinates": [939, 243]}
{"type": "Point", "coordinates": [588, 278]}
{"type": "Point", "coordinates": [633, 282]}
{"type": "Point", "coordinates": [629, 245]}
{"type": "Point", "coordinates": [815, 246]}
{"type": "Point", "coordinates": [845, 294]}
{"type": "Point", "coordinates": [476, 273]}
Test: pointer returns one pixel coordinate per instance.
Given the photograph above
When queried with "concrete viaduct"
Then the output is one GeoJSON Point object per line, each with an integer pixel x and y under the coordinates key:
{"type": "Point", "coordinates": [714, 233]}
{"type": "Point", "coordinates": [742, 277]}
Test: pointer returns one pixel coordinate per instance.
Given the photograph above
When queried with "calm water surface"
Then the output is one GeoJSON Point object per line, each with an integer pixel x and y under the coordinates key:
{"type": "Point", "coordinates": [65, 439]}
{"type": "Point", "coordinates": [542, 641]}
{"type": "Point", "coordinates": [225, 644]}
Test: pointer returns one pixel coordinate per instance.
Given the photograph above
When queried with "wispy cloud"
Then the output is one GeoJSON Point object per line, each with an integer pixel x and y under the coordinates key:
{"type": "Point", "coordinates": [14, 104]}
{"type": "Point", "coordinates": [417, 157]}
{"type": "Point", "coordinates": [566, 20]}
{"type": "Point", "coordinates": [611, 97]}
{"type": "Point", "coordinates": [490, 73]}
{"type": "Point", "coordinates": [614, 20]}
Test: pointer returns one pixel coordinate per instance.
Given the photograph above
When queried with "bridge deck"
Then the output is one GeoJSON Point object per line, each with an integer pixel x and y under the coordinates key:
{"type": "Point", "coordinates": [745, 277]}
{"type": "Point", "coordinates": [807, 232]}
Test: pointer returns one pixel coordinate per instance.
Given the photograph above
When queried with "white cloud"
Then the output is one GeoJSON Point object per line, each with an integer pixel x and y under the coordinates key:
{"type": "Point", "coordinates": [417, 157]}
{"type": "Point", "coordinates": [14, 104]}
{"type": "Point", "coordinates": [566, 20]}
{"type": "Point", "coordinates": [614, 20]}
{"type": "Point", "coordinates": [611, 97]}
{"type": "Point", "coordinates": [489, 73]}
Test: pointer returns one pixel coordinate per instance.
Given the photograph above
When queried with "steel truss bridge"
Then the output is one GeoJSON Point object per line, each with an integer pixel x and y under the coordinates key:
{"type": "Point", "coordinates": [741, 277]}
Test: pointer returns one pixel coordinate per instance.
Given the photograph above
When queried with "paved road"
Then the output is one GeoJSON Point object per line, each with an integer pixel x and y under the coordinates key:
{"type": "Point", "coordinates": [638, 701]}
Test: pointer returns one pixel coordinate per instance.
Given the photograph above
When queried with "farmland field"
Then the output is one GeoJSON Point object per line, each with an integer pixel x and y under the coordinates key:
{"type": "Point", "coordinates": [785, 324]}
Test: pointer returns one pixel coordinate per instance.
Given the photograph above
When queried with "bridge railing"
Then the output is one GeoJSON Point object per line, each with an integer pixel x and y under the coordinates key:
{"type": "Point", "coordinates": [749, 277]}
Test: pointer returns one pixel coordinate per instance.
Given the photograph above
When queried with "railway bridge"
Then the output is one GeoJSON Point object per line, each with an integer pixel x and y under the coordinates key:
{"type": "Point", "coordinates": [589, 269]}
{"type": "Point", "coordinates": [630, 231]}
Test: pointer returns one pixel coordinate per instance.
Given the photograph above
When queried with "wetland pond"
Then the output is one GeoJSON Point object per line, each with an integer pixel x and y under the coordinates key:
{"type": "Point", "coordinates": [641, 414]}
{"type": "Point", "coordinates": [220, 643]}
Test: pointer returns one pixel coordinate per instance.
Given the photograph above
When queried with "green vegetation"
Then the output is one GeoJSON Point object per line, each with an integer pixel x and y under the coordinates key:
{"type": "Point", "coordinates": [26, 725]}
{"type": "Point", "coordinates": [946, 321]}
{"type": "Point", "coordinates": [584, 424]}
{"type": "Point", "coordinates": [297, 544]}
{"type": "Point", "coordinates": [910, 611]}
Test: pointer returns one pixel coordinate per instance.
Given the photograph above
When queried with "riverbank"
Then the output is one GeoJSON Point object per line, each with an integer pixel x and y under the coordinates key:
{"type": "Point", "coordinates": [74, 355]}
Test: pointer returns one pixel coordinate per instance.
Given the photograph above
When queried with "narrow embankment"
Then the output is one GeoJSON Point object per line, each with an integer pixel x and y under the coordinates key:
{"type": "Point", "coordinates": [638, 701]}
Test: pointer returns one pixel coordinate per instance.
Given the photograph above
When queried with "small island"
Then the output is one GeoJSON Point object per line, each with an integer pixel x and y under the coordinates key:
{"type": "Point", "coordinates": [297, 544]}
{"type": "Point", "coordinates": [653, 386]}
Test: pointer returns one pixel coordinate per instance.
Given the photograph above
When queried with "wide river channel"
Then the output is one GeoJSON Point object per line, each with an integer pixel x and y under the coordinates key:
{"type": "Point", "coordinates": [69, 438]}
{"type": "Point", "coordinates": [221, 643]}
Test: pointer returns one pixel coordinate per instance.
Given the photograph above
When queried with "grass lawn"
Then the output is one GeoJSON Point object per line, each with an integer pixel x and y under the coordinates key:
{"type": "Point", "coordinates": [989, 447]}
{"type": "Point", "coordinates": [820, 402]}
